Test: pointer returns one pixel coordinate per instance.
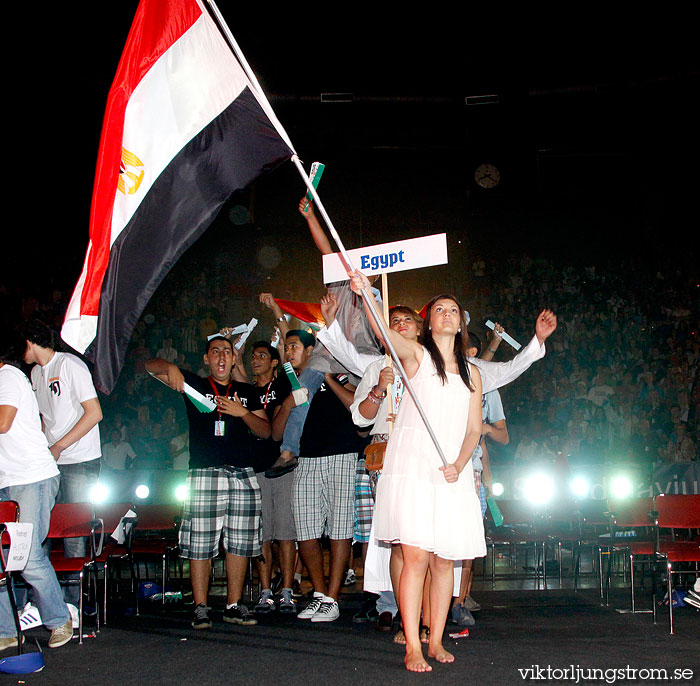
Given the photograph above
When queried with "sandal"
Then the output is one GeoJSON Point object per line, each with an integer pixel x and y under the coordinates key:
{"type": "Point", "coordinates": [400, 637]}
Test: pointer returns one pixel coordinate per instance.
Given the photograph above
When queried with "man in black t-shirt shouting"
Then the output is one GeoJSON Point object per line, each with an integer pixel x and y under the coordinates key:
{"type": "Point", "coordinates": [223, 495]}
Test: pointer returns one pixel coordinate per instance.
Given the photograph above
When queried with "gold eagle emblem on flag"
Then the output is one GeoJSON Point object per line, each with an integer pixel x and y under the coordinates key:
{"type": "Point", "coordinates": [131, 171]}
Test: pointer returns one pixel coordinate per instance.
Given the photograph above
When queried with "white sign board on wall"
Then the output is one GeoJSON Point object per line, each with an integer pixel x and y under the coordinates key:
{"type": "Point", "coordinates": [386, 258]}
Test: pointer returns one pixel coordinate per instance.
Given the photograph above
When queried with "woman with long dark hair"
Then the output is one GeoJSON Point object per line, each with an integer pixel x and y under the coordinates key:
{"type": "Point", "coordinates": [432, 510]}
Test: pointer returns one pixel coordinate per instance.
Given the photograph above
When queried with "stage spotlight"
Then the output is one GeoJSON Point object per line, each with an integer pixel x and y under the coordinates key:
{"type": "Point", "coordinates": [580, 487]}
{"type": "Point", "coordinates": [497, 489]}
{"type": "Point", "coordinates": [621, 487]}
{"type": "Point", "coordinates": [181, 492]}
{"type": "Point", "coordinates": [538, 489]}
{"type": "Point", "coordinates": [99, 493]}
{"type": "Point", "coordinates": [142, 491]}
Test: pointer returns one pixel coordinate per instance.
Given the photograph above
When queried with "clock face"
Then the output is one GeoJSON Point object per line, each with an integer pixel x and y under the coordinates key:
{"type": "Point", "coordinates": [487, 175]}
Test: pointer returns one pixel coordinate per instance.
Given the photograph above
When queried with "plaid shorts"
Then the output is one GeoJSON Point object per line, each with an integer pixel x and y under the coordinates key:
{"type": "Point", "coordinates": [323, 495]}
{"type": "Point", "coordinates": [221, 500]}
{"type": "Point", "coordinates": [364, 503]}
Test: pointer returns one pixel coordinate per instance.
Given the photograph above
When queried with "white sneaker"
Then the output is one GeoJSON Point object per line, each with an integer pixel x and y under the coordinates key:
{"type": "Point", "coordinates": [29, 617]}
{"type": "Point", "coordinates": [328, 612]}
{"type": "Point", "coordinates": [312, 608]}
{"type": "Point", "coordinates": [350, 577]}
{"type": "Point", "coordinates": [74, 615]}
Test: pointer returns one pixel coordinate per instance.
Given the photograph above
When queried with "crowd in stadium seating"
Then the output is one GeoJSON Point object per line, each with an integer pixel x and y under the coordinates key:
{"type": "Point", "coordinates": [619, 382]}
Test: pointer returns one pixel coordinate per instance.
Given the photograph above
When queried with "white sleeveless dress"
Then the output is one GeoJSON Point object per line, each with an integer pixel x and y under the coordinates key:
{"type": "Point", "coordinates": [415, 505]}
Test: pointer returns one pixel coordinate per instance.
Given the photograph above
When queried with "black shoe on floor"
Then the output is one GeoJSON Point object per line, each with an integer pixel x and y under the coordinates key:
{"type": "Point", "coordinates": [368, 611]}
{"type": "Point", "coordinates": [201, 619]}
{"type": "Point", "coordinates": [239, 614]}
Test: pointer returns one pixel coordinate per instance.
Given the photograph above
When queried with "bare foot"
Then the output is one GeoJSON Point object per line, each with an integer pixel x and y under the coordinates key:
{"type": "Point", "coordinates": [415, 662]}
{"type": "Point", "coordinates": [400, 638]}
{"type": "Point", "coordinates": [425, 634]}
{"type": "Point", "coordinates": [440, 654]}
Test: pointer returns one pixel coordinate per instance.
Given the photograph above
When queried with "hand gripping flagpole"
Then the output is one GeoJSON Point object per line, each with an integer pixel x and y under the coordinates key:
{"type": "Point", "coordinates": [368, 298]}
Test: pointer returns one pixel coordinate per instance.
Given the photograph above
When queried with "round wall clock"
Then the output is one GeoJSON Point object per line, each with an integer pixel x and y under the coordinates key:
{"type": "Point", "coordinates": [487, 175]}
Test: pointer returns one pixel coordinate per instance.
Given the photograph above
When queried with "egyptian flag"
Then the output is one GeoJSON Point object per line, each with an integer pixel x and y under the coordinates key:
{"type": "Point", "coordinates": [309, 313]}
{"type": "Point", "coordinates": [183, 129]}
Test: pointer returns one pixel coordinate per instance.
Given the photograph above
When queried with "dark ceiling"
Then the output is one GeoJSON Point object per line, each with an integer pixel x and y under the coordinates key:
{"type": "Point", "coordinates": [589, 108]}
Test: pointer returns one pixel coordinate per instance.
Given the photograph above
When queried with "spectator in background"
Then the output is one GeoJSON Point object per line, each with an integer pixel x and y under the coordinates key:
{"type": "Point", "coordinates": [117, 453]}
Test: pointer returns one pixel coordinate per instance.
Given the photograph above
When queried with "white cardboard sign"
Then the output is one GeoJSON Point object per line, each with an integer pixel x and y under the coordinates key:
{"type": "Point", "coordinates": [386, 258]}
{"type": "Point", "coordinates": [20, 545]}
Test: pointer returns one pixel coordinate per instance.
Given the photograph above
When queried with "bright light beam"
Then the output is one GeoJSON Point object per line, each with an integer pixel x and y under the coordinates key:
{"type": "Point", "coordinates": [539, 489]}
{"type": "Point", "coordinates": [580, 487]}
{"type": "Point", "coordinates": [181, 492]}
{"type": "Point", "coordinates": [99, 493]}
{"type": "Point", "coordinates": [621, 487]}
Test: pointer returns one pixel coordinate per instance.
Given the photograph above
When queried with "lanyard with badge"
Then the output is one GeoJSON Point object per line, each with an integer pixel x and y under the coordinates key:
{"type": "Point", "coordinates": [219, 425]}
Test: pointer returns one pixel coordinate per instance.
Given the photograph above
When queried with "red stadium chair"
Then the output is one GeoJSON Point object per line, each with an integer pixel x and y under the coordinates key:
{"type": "Point", "coordinates": [76, 520]}
{"type": "Point", "coordinates": [632, 516]}
{"type": "Point", "coordinates": [677, 512]}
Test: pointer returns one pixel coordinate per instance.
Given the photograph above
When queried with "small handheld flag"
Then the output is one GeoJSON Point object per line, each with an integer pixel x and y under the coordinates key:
{"type": "Point", "coordinates": [315, 177]}
{"type": "Point", "coordinates": [249, 329]}
{"type": "Point", "coordinates": [508, 339]}
{"type": "Point", "coordinates": [495, 511]}
{"type": "Point", "coordinates": [294, 382]}
{"type": "Point", "coordinates": [201, 402]}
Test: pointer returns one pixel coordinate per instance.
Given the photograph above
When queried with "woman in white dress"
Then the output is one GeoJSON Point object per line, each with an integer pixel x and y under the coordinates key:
{"type": "Point", "coordinates": [431, 510]}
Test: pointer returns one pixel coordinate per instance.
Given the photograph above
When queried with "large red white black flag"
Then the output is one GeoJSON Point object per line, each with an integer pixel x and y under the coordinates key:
{"type": "Point", "coordinates": [183, 129]}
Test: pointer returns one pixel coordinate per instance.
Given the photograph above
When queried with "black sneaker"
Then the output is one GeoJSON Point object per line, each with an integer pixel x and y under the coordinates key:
{"type": "Point", "coordinates": [238, 614]}
{"type": "Point", "coordinates": [201, 617]}
{"type": "Point", "coordinates": [368, 611]}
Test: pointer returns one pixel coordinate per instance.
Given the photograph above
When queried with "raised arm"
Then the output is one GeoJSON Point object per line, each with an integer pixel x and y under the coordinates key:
{"type": "Point", "coordinates": [268, 300]}
{"type": "Point", "coordinates": [497, 374]}
{"type": "Point", "coordinates": [238, 370]}
{"type": "Point", "coordinates": [306, 209]}
{"type": "Point", "coordinates": [494, 340]}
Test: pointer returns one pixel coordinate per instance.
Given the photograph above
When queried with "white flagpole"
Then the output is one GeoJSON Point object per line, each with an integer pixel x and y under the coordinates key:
{"type": "Point", "coordinates": [368, 298]}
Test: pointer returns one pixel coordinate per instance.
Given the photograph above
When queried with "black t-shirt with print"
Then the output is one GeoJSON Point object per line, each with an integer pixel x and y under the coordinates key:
{"type": "Point", "coordinates": [235, 447]}
{"type": "Point", "coordinates": [329, 429]}
{"type": "Point", "coordinates": [272, 395]}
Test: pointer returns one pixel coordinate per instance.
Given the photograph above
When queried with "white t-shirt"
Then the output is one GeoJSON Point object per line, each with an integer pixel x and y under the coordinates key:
{"type": "Point", "coordinates": [114, 455]}
{"type": "Point", "coordinates": [24, 452]}
{"type": "Point", "coordinates": [61, 386]}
